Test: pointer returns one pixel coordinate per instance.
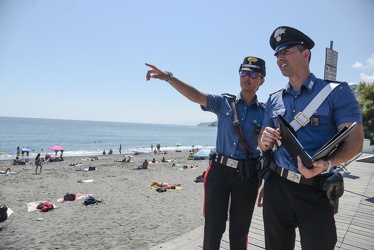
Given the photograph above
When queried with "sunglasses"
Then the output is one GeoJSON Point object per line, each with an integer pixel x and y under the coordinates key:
{"type": "Point", "coordinates": [251, 74]}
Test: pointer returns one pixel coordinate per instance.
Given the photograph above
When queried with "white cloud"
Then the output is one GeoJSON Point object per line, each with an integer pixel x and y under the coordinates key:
{"type": "Point", "coordinates": [369, 64]}
{"type": "Point", "coordinates": [367, 78]}
{"type": "Point", "coordinates": [358, 65]}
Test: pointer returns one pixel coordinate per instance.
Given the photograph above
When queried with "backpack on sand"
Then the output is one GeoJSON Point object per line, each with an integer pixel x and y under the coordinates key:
{"type": "Point", "coordinates": [69, 197]}
{"type": "Point", "coordinates": [90, 200]}
{"type": "Point", "coordinates": [3, 213]}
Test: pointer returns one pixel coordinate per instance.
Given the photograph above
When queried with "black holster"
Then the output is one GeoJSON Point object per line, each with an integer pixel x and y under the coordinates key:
{"type": "Point", "coordinates": [334, 188]}
{"type": "Point", "coordinates": [248, 168]}
{"type": "Point", "coordinates": [267, 160]}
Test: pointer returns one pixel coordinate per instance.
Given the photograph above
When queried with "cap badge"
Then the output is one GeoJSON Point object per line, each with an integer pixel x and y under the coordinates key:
{"type": "Point", "coordinates": [252, 60]}
{"type": "Point", "coordinates": [278, 33]}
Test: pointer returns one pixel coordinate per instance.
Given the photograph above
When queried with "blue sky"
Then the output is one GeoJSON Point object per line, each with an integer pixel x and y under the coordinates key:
{"type": "Point", "coordinates": [84, 59]}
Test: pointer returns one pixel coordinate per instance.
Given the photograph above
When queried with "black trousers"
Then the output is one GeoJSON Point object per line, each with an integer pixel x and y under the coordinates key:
{"type": "Point", "coordinates": [222, 187]}
{"type": "Point", "coordinates": [288, 205]}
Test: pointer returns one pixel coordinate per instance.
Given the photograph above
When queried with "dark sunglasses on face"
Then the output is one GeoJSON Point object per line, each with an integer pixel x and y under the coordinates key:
{"type": "Point", "coordinates": [251, 74]}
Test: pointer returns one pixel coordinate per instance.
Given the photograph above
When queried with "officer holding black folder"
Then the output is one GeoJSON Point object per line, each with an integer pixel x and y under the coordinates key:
{"type": "Point", "coordinates": [293, 195]}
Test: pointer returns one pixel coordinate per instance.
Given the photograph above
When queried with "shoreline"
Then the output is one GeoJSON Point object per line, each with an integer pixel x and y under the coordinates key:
{"type": "Point", "coordinates": [133, 215]}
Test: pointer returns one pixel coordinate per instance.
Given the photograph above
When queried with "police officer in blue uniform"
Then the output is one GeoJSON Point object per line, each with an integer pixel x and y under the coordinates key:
{"type": "Point", "coordinates": [231, 180]}
{"type": "Point", "coordinates": [289, 203]}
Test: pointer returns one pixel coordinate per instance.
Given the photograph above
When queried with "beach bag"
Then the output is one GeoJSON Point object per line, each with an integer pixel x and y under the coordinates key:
{"type": "Point", "coordinates": [90, 168]}
{"type": "Point", "coordinates": [90, 200]}
{"type": "Point", "coordinates": [3, 213]}
{"type": "Point", "coordinates": [46, 206]}
{"type": "Point", "coordinates": [69, 197]}
{"type": "Point", "coordinates": [161, 190]}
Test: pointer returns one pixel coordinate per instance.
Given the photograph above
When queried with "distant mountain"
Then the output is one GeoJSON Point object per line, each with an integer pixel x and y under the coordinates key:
{"type": "Point", "coordinates": [208, 124]}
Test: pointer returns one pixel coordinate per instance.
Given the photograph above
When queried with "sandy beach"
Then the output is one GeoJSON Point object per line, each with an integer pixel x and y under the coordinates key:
{"type": "Point", "coordinates": [132, 216]}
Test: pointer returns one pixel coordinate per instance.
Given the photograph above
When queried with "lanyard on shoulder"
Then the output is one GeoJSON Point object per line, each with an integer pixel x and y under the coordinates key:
{"type": "Point", "coordinates": [239, 130]}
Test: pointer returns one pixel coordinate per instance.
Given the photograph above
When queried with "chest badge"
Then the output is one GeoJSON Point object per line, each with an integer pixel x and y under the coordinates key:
{"type": "Point", "coordinates": [314, 121]}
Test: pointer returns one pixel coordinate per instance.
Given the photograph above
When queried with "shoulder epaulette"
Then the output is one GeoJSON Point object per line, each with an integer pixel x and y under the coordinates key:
{"type": "Point", "coordinates": [262, 105]}
{"type": "Point", "coordinates": [276, 91]}
{"type": "Point", "coordinates": [334, 81]}
{"type": "Point", "coordinates": [229, 95]}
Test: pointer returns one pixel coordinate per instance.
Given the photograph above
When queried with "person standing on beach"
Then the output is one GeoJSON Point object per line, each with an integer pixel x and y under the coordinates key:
{"type": "Point", "coordinates": [120, 149]}
{"type": "Point", "coordinates": [231, 179]}
{"type": "Point", "coordinates": [293, 195]}
{"type": "Point", "coordinates": [38, 163]}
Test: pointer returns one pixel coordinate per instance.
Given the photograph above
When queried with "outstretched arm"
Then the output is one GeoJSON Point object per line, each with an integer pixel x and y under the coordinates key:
{"type": "Point", "coordinates": [188, 91]}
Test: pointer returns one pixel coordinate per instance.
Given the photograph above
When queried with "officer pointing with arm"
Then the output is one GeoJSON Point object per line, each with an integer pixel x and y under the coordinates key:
{"type": "Point", "coordinates": [231, 180]}
{"type": "Point", "coordinates": [293, 196]}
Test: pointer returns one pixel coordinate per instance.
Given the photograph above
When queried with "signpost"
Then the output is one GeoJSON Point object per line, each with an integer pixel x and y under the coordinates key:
{"type": "Point", "coordinates": [331, 63]}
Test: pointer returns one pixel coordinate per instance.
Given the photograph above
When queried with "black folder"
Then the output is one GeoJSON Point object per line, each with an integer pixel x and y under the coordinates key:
{"type": "Point", "coordinates": [294, 148]}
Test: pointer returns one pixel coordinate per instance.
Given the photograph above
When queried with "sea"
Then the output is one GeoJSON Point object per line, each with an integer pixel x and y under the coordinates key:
{"type": "Point", "coordinates": [88, 138]}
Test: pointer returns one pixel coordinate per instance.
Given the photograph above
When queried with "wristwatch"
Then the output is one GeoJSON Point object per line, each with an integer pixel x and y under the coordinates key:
{"type": "Point", "coordinates": [170, 76]}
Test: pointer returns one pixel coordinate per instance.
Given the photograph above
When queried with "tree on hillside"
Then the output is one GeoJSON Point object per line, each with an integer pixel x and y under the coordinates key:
{"type": "Point", "coordinates": [365, 97]}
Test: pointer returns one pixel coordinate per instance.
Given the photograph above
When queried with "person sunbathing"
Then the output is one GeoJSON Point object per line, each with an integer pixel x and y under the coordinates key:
{"type": "Point", "coordinates": [54, 159]}
{"type": "Point", "coordinates": [123, 160]}
{"type": "Point", "coordinates": [188, 167]}
{"type": "Point", "coordinates": [5, 170]}
{"type": "Point", "coordinates": [164, 185]}
{"type": "Point", "coordinates": [74, 164]}
{"type": "Point", "coordinates": [17, 161]}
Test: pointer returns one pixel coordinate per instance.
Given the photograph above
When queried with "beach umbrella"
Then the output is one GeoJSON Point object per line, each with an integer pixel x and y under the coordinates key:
{"type": "Point", "coordinates": [25, 150]}
{"type": "Point", "coordinates": [56, 148]}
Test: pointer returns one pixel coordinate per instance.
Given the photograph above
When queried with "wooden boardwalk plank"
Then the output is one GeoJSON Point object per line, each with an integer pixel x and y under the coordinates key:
{"type": "Point", "coordinates": [354, 221]}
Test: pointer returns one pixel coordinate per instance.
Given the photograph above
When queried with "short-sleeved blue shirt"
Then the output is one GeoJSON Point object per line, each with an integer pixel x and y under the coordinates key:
{"type": "Point", "coordinates": [250, 118]}
{"type": "Point", "coordinates": [338, 108]}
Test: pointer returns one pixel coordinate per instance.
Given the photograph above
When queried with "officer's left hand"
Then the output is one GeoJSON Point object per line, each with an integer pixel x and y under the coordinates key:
{"type": "Point", "coordinates": [319, 166]}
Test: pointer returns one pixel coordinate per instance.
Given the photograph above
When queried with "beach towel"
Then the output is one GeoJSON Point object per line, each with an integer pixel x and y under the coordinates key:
{"type": "Point", "coordinates": [8, 173]}
{"type": "Point", "coordinates": [77, 197]}
{"type": "Point", "coordinates": [87, 181]}
{"type": "Point", "coordinates": [175, 187]}
{"type": "Point", "coordinates": [33, 206]}
{"type": "Point", "coordinates": [85, 169]}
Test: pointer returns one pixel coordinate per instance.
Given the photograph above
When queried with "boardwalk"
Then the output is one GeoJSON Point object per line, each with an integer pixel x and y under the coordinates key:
{"type": "Point", "coordinates": [354, 222]}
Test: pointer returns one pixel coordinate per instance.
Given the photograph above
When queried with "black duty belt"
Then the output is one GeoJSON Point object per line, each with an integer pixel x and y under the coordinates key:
{"type": "Point", "coordinates": [225, 161]}
{"type": "Point", "coordinates": [228, 161]}
{"type": "Point", "coordinates": [293, 176]}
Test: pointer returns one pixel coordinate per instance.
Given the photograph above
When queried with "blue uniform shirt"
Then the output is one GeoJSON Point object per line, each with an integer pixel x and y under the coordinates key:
{"type": "Point", "coordinates": [250, 117]}
{"type": "Point", "coordinates": [338, 108]}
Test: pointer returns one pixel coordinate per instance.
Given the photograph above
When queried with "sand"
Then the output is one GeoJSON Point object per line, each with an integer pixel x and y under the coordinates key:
{"type": "Point", "coordinates": [133, 216]}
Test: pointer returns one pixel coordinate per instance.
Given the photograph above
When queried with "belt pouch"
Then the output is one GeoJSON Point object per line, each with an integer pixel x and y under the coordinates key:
{"type": "Point", "coordinates": [243, 170]}
{"type": "Point", "coordinates": [334, 188]}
